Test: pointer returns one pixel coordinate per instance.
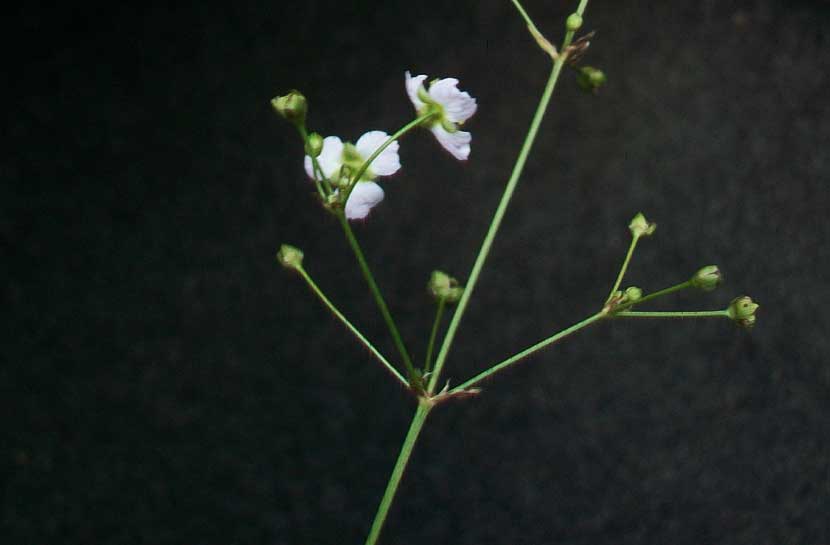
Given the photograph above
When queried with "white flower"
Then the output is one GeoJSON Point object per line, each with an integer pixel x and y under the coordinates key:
{"type": "Point", "coordinates": [452, 108]}
{"type": "Point", "coordinates": [336, 154]}
{"type": "Point", "coordinates": [364, 197]}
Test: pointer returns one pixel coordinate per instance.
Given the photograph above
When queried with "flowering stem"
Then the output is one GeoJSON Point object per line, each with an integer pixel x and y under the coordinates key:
{"type": "Point", "coordinates": [360, 337]}
{"type": "Point", "coordinates": [695, 314]}
{"type": "Point", "coordinates": [439, 313]}
{"type": "Point", "coordinates": [397, 472]}
{"type": "Point", "coordinates": [624, 267]}
{"type": "Point", "coordinates": [502, 208]}
{"type": "Point", "coordinates": [384, 310]}
{"type": "Point", "coordinates": [402, 131]}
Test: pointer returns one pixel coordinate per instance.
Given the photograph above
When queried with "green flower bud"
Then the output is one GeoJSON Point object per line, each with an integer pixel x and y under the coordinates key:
{"type": "Point", "coordinates": [290, 257]}
{"type": "Point", "coordinates": [632, 294]}
{"type": "Point", "coordinates": [573, 23]}
{"type": "Point", "coordinates": [590, 79]}
{"type": "Point", "coordinates": [443, 286]}
{"type": "Point", "coordinates": [314, 145]}
{"type": "Point", "coordinates": [707, 278]}
{"type": "Point", "coordinates": [742, 311]}
{"type": "Point", "coordinates": [639, 227]}
{"type": "Point", "coordinates": [292, 107]}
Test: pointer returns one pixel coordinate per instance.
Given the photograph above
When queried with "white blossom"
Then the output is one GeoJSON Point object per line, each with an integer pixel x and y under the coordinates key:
{"type": "Point", "coordinates": [336, 154]}
{"type": "Point", "coordinates": [451, 107]}
{"type": "Point", "coordinates": [363, 198]}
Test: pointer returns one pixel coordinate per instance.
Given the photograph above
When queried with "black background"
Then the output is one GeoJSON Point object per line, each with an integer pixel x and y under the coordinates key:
{"type": "Point", "coordinates": [166, 382]}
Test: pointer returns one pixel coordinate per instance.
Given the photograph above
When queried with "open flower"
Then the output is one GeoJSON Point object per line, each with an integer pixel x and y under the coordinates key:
{"type": "Point", "coordinates": [451, 108]}
{"type": "Point", "coordinates": [336, 154]}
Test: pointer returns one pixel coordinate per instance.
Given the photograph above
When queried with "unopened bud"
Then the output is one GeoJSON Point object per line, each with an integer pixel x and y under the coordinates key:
{"type": "Point", "coordinates": [290, 257]}
{"type": "Point", "coordinates": [632, 294]}
{"type": "Point", "coordinates": [591, 79]}
{"type": "Point", "coordinates": [707, 278]}
{"type": "Point", "coordinates": [314, 145]}
{"type": "Point", "coordinates": [444, 287]}
{"type": "Point", "coordinates": [573, 22]}
{"type": "Point", "coordinates": [742, 311]}
{"type": "Point", "coordinates": [292, 107]}
{"type": "Point", "coordinates": [640, 227]}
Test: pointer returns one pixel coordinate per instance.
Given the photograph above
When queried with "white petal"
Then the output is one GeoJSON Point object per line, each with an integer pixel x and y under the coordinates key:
{"type": "Point", "coordinates": [459, 106]}
{"type": "Point", "coordinates": [457, 143]}
{"type": "Point", "coordinates": [330, 158]}
{"type": "Point", "coordinates": [363, 198]}
{"type": "Point", "coordinates": [385, 164]}
{"type": "Point", "coordinates": [412, 87]}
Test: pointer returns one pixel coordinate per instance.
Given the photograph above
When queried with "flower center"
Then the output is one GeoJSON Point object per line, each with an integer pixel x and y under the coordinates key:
{"type": "Point", "coordinates": [352, 160]}
{"type": "Point", "coordinates": [436, 110]}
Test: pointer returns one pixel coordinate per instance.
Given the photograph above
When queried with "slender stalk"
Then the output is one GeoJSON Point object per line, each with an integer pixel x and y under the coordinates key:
{"type": "Point", "coordinates": [665, 291]}
{"type": "Point", "coordinates": [516, 358]}
{"type": "Point", "coordinates": [438, 315]}
{"type": "Point", "coordinates": [397, 472]}
{"type": "Point", "coordinates": [398, 134]}
{"type": "Point", "coordinates": [624, 267]}
{"type": "Point", "coordinates": [373, 287]}
{"type": "Point", "coordinates": [670, 314]}
{"type": "Point", "coordinates": [316, 169]}
{"type": "Point", "coordinates": [360, 337]}
{"type": "Point", "coordinates": [502, 208]}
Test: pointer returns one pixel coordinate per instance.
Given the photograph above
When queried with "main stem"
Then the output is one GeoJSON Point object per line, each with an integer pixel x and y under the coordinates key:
{"type": "Point", "coordinates": [373, 287]}
{"type": "Point", "coordinates": [397, 472]}
{"type": "Point", "coordinates": [496, 222]}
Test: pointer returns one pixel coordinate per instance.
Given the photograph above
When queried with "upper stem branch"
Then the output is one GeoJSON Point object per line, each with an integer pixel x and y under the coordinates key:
{"type": "Point", "coordinates": [398, 134]}
{"type": "Point", "coordinates": [373, 287]}
{"type": "Point", "coordinates": [500, 211]}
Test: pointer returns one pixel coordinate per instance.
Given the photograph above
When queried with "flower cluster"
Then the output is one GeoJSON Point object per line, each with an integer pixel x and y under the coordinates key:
{"type": "Point", "coordinates": [346, 171]}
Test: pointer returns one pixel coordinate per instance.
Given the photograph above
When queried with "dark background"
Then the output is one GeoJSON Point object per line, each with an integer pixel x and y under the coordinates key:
{"type": "Point", "coordinates": [165, 382]}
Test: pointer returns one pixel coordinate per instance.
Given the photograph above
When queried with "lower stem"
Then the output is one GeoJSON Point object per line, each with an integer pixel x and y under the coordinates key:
{"type": "Point", "coordinates": [397, 472]}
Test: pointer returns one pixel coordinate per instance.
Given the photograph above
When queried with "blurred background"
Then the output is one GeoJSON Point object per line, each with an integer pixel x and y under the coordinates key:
{"type": "Point", "coordinates": [165, 382]}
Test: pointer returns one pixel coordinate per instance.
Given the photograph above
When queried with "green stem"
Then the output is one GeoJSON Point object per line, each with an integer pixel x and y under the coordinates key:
{"type": "Point", "coordinates": [360, 337]}
{"type": "Point", "coordinates": [531, 350]}
{"type": "Point", "coordinates": [316, 169]}
{"type": "Point", "coordinates": [438, 315]}
{"type": "Point", "coordinates": [669, 314]}
{"type": "Point", "coordinates": [666, 291]}
{"type": "Point", "coordinates": [400, 132]}
{"type": "Point", "coordinates": [624, 267]}
{"type": "Point", "coordinates": [397, 472]}
{"type": "Point", "coordinates": [384, 310]}
{"type": "Point", "coordinates": [499, 215]}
